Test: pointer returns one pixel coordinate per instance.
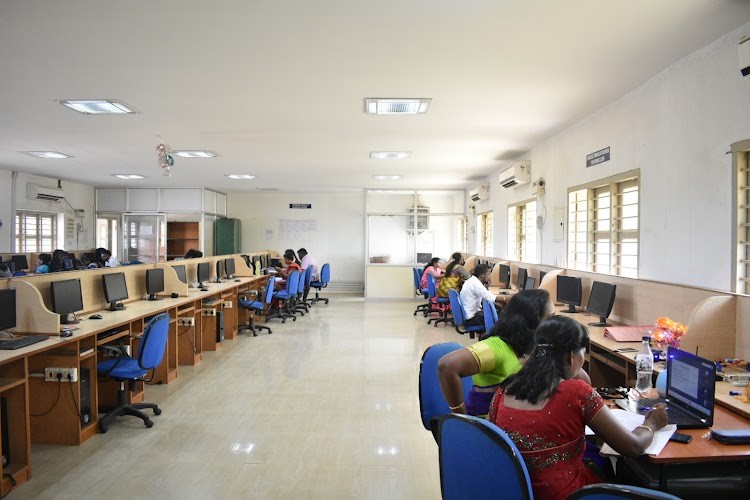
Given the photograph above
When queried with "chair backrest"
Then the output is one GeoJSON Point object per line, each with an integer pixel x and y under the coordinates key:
{"type": "Point", "coordinates": [490, 314]}
{"type": "Point", "coordinates": [604, 491]}
{"type": "Point", "coordinates": [269, 289]}
{"type": "Point", "coordinates": [432, 403]}
{"type": "Point", "coordinates": [457, 308]}
{"type": "Point", "coordinates": [292, 283]}
{"type": "Point", "coordinates": [479, 460]}
{"type": "Point", "coordinates": [301, 282]}
{"type": "Point", "coordinates": [417, 280]}
{"type": "Point", "coordinates": [325, 273]}
{"type": "Point", "coordinates": [153, 342]}
{"type": "Point", "coordinates": [431, 286]}
{"type": "Point", "coordinates": [308, 277]}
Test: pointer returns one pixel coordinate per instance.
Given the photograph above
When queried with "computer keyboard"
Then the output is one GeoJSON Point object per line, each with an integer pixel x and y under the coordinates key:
{"type": "Point", "coordinates": [19, 342]}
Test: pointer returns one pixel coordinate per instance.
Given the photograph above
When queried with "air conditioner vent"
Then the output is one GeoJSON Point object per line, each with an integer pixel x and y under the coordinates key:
{"type": "Point", "coordinates": [43, 193]}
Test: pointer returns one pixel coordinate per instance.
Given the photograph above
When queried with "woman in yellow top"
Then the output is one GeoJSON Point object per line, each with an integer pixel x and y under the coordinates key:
{"type": "Point", "coordinates": [498, 355]}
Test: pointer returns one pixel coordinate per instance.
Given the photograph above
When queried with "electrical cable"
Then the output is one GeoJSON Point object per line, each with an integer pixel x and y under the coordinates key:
{"type": "Point", "coordinates": [73, 396]}
{"type": "Point", "coordinates": [59, 387]}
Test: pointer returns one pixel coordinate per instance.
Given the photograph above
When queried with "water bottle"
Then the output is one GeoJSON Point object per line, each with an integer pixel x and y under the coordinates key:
{"type": "Point", "coordinates": [644, 366]}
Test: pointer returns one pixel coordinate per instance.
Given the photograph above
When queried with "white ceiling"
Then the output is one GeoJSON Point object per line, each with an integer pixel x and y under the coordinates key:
{"type": "Point", "coordinates": [276, 87]}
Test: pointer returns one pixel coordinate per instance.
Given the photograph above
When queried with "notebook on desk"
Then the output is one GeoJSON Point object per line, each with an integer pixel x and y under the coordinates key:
{"type": "Point", "coordinates": [627, 333]}
{"type": "Point", "coordinates": [690, 392]}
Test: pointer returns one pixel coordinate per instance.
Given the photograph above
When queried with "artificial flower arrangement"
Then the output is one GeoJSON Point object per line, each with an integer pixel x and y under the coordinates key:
{"type": "Point", "coordinates": [667, 333]}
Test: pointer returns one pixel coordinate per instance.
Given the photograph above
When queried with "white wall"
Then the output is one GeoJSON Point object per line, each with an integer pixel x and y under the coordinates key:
{"type": "Point", "coordinates": [79, 196]}
{"type": "Point", "coordinates": [676, 128]}
{"type": "Point", "coordinates": [339, 237]}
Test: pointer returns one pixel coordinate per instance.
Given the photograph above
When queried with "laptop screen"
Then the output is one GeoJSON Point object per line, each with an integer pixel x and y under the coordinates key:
{"type": "Point", "coordinates": [690, 381]}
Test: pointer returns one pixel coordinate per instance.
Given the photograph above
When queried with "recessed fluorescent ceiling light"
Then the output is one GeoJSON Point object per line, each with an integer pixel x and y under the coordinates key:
{"type": "Point", "coordinates": [46, 154]}
{"type": "Point", "coordinates": [386, 177]}
{"type": "Point", "coordinates": [98, 106]}
{"type": "Point", "coordinates": [190, 153]}
{"type": "Point", "coordinates": [395, 106]}
{"type": "Point", "coordinates": [390, 155]}
{"type": "Point", "coordinates": [240, 176]}
{"type": "Point", "coordinates": [129, 176]}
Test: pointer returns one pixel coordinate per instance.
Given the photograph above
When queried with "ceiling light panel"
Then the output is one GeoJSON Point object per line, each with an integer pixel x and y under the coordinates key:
{"type": "Point", "coordinates": [98, 106]}
{"type": "Point", "coordinates": [240, 176]}
{"type": "Point", "coordinates": [47, 154]}
{"type": "Point", "coordinates": [129, 177]}
{"type": "Point", "coordinates": [396, 106]}
{"type": "Point", "coordinates": [386, 177]}
{"type": "Point", "coordinates": [194, 153]}
{"type": "Point", "coordinates": [390, 155]}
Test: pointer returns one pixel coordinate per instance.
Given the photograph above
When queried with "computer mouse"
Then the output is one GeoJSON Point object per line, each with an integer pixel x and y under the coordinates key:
{"type": "Point", "coordinates": [236, 281]}
{"type": "Point", "coordinates": [95, 316]}
{"type": "Point", "coordinates": [66, 333]}
{"type": "Point", "coordinates": [174, 295]}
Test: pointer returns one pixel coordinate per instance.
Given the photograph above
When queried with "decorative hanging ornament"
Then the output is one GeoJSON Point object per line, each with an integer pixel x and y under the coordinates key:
{"type": "Point", "coordinates": [164, 159]}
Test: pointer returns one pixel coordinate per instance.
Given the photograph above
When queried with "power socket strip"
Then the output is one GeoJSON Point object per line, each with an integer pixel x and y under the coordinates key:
{"type": "Point", "coordinates": [186, 321]}
{"type": "Point", "coordinates": [51, 374]}
{"type": "Point", "coordinates": [209, 312]}
{"type": "Point", "coordinates": [227, 304]}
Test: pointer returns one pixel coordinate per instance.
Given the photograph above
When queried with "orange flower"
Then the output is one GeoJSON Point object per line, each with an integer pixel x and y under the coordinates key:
{"type": "Point", "coordinates": [665, 323]}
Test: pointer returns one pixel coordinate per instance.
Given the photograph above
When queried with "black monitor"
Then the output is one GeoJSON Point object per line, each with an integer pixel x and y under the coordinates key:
{"type": "Point", "coordinates": [67, 299]}
{"type": "Point", "coordinates": [424, 258]}
{"type": "Point", "coordinates": [601, 300]}
{"type": "Point", "coordinates": [115, 290]}
{"type": "Point", "coordinates": [88, 258]}
{"type": "Point", "coordinates": [154, 283]}
{"type": "Point", "coordinates": [67, 264]}
{"type": "Point", "coordinates": [530, 283]}
{"type": "Point", "coordinates": [541, 276]}
{"type": "Point", "coordinates": [203, 275]}
{"type": "Point", "coordinates": [180, 270]}
{"type": "Point", "coordinates": [504, 275]}
{"type": "Point", "coordinates": [7, 309]}
{"type": "Point", "coordinates": [229, 268]}
{"type": "Point", "coordinates": [275, 262]}
{"type": "Point", "coordinates": [219, 270]}
{"type": "Point", "coordinates": [20, 262]}
{"type": "Point", "coordinates": [569, 291]}
{"type": "Point", "coordinates": [521, 278]}
{"type": "Point", "coordinates": [263, 261]}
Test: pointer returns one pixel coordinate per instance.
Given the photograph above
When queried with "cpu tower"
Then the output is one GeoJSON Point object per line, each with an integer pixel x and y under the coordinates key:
{"type": "Point", "coordinates": [85, 383]}
{"type": "Point", "coordinates": [219, 326]}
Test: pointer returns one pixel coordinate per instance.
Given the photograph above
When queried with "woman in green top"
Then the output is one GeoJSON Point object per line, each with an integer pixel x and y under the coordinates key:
{"type": "Point", "coordinates": [497, 356]}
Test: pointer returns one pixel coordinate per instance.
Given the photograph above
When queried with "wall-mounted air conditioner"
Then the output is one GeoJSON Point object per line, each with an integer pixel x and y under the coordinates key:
{"type": "Point", "coordinates": [519, 173]}
{"type": "Point", "coordinates": [480, 192]}
{"type": "Point", "coordinates": [37, 192]}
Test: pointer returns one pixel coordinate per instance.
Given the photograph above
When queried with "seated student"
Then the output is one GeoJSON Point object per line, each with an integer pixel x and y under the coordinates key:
{"type": "Point", "coordinates": [193, 254]}
{"type": "Point", "coordinates": [290, 260]}
{"type": "Point", "coordinates": [56, 263]}
{"type": "Point", "coordinates": [455, 275]}
{"type": "Point", "coordinates": [108, 259]}
{"type": "Point", "coordinates": [307, 261]}
{"type": "Point", "coordinates": [43, 263]}
{"type": "Point", "coordinates": [5, 271]}
{"type": "Point", "coordinates": [545, 410]}
{"type": "Point", "coordinates": [472, 293]}
{"type": "Point", "coordinates": [432, 268]}
{"type": "Point", "coordinates": [498, 355]}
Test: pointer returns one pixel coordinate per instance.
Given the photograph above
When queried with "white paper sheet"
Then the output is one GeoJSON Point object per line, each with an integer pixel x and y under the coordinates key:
{"type": "Point", "coordinates": [630, 421]}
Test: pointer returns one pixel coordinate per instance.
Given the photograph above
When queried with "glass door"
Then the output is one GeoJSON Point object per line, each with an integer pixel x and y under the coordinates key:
{"type": "Point", "coordinates": [144, 237]}
{"type": "Point", "coordinates": [108, 233]}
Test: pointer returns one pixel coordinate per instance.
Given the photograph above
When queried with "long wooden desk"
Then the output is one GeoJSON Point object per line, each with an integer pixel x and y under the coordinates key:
{"type": "Point", "coordinates": [37, 415]}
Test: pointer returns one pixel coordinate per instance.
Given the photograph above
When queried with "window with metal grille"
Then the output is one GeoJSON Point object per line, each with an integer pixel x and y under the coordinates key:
{"type": "Point", "coordinates": [484, 234]}
{"type": "Point", "coordinates": [522, 231]}
{"type": "Point", "coordinates": [603, 227]}
{"type": "Point", "coordinates": [463, 229]}
{"type": "Point", "coordinates": [35, 232]}
{"type": "Point", "coordinates": [742, 238]}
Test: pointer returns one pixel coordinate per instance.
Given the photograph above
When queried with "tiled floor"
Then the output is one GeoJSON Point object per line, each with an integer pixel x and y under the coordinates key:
{"type": "Point", "coordinates": [325, 407]}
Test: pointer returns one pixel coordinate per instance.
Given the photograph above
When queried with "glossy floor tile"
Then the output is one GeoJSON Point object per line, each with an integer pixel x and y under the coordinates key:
{"type": "Point", "coordinates": [325, 407]}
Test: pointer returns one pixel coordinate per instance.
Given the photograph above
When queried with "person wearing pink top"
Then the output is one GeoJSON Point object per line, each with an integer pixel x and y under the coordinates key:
{"type": "Point", "coordinates": [433, 268]}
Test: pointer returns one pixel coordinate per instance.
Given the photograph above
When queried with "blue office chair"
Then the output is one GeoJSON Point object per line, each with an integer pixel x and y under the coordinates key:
{"type": "Point", "coordinates": [258, 306]}
{"type": "Point", "coordinates": [432, 404]}
{"type": "Point", "coordinates": [605, 491]}
{"type": "Point", "coordinates": [418, 290]}
{"type": "Point", "coordinates": [490, 314]}
{"type": "Point", "coordinates": [479, 460]}
{"type": "Point", "coordinates": [285, 299]}
{"type": "Point", "coordinates": [19, 273]}
{"type": "Point", "coordinates": [325, 277]}
{"type": "Point", "coordinates": [299, 301]}
{"type": "Point", "coordinates": [437, 304]}
{"type": "Point", "coordinates": [308, 280]}
{"type": "Point", "coordinates": [459, 315]}
{"type": "Point", "coordinates": [124, 368]}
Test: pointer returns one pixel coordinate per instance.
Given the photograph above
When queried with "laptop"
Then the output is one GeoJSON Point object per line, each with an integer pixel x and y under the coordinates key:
{"type": "Point", "coordinates": [690, 391]}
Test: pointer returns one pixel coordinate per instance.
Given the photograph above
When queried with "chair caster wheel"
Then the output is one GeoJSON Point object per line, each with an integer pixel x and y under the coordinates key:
{"type": "Point", "coordinates": [148, 423]}
{"type": "Point", "coordinates": [157, 411]}
{"type": "Point", "coordinates": [294, 318]}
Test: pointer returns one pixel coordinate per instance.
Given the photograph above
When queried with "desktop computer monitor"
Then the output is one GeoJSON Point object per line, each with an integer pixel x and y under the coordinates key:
{"type": "Point", "coordinates": [541, 276]}
{"type": "Point", "coordinates": [154, 283]}
{"type": "Point", "coordinates": [202, 274]}
{"type": "Point", "coordinates": [219, 270]}
{"type": "Point", "coordinates": [180, 270]}
{"type": "Point", "coordinates": [67, 264]}
{"type": "Point", "coordinates": [504, 275]}
{"type": "Point", "coordinates": [20, 262]}
{"type": "Point", "coordinates": [275, 262]}
{"type": "Point", "coordinates": [263, 261]}
{"type": "Point", "coordinates": [66, 299]}
{"type": "Point", "coordinates": [115, 290]}
{"type": "Point", "coordinates": [229, 268]}
{"type": "Point", "coordinates": [601, 300]}
{"type": "Point", "coordinates": [88, 258]}
{"type": "Point", "coordinates": [7, 309]}
{"type": "Point", "coordinates": [569, 291]}
{"type": "Point", "coordinates": [530, 283]}
{"type": "Point", "coordinates": [521, 278]}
